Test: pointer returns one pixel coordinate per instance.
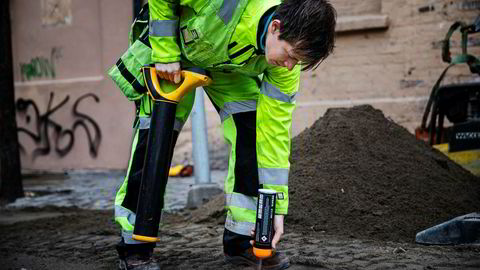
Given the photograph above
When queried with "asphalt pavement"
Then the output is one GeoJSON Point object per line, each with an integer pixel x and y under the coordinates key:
{"type": "Point", "coordinates": [96, 190]}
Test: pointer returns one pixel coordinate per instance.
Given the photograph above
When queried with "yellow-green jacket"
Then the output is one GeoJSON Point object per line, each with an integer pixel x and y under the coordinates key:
{"type": "Point", "coordinates": [221, 37]}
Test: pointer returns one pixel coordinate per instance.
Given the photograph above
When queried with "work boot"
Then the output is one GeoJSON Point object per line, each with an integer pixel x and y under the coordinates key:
{"type": "Point", "coordinates": [136, 257]}
{"type": "Point", "coordinates": [278, 261]}
{"type": "Point", "coordinates": [138, 262]}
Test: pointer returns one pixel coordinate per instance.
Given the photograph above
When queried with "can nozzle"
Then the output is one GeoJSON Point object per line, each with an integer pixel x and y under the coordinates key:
{"type": "Point", "coordinates": [263, 253]}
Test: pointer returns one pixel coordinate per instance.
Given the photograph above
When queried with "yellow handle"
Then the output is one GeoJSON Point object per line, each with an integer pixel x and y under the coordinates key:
{"type": "Point", "coordinates": [191, 80]}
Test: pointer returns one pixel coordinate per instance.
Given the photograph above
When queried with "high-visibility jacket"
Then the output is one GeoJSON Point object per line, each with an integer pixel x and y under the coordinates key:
{"type": "Point", "coordinates": [222, 36]}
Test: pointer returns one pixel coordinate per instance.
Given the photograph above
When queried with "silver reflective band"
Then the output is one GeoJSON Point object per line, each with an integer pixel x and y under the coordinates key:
{"type": "Point", "coordinates": [272, 91]}
{"type": "Point", "coordinates": [226, 10]}
{"type": "Point", "coordinates": [161, 28]}
{"type": "Point", "coordinates": [121, 211]}
{"type": "Point", "coordinates": [237, 107]}
{"type": "Point", "coordinates": [273, 176]}
{"type": "Point", "coordinates": [240, 200]}
{"type": "Point", "coordinates": [144, 123]}
{"type": "Point", "coordinates": [127, 238]}
{"type": "Point", "coordinates": [240, 227]}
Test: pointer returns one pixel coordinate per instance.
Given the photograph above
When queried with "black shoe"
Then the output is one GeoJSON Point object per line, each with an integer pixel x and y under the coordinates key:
{"type": "Point", "coordinates": [278, 261]}
{"type": "Point", "coordinates": [136, 257]}
{"type": "Point", "coordinates": [138, 262]}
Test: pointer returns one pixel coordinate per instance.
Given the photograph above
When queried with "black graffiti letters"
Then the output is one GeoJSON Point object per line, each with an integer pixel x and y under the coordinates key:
{"type": "Point", "coordinates": [93, 141]}
{"type": "Point", "coordinates": [43, 123]}
{"type": "Point", "coordinates": [63, 139]}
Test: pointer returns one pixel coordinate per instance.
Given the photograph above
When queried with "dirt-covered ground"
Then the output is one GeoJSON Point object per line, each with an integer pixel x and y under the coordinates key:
{"type": "Point", "coordinates": [360, 188]}
{"type": "Point", "coordinates": [70, 238]}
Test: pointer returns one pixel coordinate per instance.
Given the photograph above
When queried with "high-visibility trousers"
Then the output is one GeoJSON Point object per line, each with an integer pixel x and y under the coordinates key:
{"type": "Point", "coordinates": [234, 96]}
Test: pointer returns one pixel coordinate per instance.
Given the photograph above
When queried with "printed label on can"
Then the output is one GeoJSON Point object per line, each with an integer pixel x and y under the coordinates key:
{"type": "Point", "coordinates": [260, 206]}
{"type": "Point", "coordinates": [264, 223]}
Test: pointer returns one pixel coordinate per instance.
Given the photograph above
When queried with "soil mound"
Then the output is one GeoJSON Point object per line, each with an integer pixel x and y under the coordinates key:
{"type": "Point", "coordinates": [212, 211]}
{"type": "Point", "coordinates": [358, 174]}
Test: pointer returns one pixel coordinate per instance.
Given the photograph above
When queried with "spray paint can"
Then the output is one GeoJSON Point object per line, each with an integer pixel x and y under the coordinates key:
{"type": "Point", "coordinates": [262, 248]}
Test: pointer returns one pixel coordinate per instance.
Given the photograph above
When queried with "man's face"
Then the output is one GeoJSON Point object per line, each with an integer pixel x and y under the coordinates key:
{"type": "Point", "coordinates": [279, 52]}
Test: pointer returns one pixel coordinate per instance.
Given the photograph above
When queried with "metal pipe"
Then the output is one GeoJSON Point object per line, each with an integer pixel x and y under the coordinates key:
{"type": "Point", "coordinates": [200, 140]}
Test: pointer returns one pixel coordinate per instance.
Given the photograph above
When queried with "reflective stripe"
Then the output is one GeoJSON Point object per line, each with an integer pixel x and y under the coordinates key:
{"type": "Point", "coordinates": [273, 176]}
{"type": "Point", "coordinates": [240, 200]}
{"type": "Point", "coordinates": [272, 91]}
{"type": "Point", "coordinates": [144, 123]}
{"type": "Point", "coordinates": [144, 39]}
{"type": "Point", "coordinates": [163, 28]}
{"type": "Point", "coordinates": [178, 125]}
{"type": "Point", "coordinates": [237, 107]}
{"type": "Point", "coordinates": [128, 76]}
{"type": "Point", "coordinates": [241, 51]}
{"type": "Point", "coordinates": [240, 227]}
{"type": "Point", "coordinates": [127, 238]}
{"type": "Point", "coordinates": [226, 10]}
{"type": "Point", "coordinates": [121, 211]}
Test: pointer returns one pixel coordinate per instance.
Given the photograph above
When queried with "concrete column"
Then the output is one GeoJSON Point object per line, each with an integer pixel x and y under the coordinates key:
{"type": "Point", "coordinates": [200, 140]}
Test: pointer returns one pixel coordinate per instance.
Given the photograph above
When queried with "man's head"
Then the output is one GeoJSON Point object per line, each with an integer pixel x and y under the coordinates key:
{"type": "Point", "coordinates": [301, 31]}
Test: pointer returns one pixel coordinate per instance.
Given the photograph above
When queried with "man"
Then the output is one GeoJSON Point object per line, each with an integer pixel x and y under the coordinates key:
{"type": "Point", "coordinates": [253, 50]}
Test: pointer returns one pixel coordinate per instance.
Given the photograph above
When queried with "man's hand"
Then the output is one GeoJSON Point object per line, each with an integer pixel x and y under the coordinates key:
{"type": "Point", "coordinates": [277, 227]}
{"type": "Point", "coordinates": [170, 71]}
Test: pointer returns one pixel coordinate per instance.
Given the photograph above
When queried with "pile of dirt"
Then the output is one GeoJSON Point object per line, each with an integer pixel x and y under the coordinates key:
{"type": "Point", "coordinates": [211, 212]}
{"type": "Point", "coordinates": [356, 173]}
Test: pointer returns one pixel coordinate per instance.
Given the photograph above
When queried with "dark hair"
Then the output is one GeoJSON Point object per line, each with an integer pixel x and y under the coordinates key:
{"type": "Point", "coordinates": [308, 25]}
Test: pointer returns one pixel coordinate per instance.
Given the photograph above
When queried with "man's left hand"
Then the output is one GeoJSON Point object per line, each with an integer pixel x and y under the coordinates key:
{"type": "Point", "coordinates": [278, 227]}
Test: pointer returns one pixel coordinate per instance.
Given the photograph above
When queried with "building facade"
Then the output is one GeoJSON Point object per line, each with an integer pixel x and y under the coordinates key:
{"type": "Point", "coordinates": [71, 116]}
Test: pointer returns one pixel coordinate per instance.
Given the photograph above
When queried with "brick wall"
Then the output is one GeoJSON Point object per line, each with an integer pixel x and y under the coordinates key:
{"type": "Point", "coordinates": [392, 66]}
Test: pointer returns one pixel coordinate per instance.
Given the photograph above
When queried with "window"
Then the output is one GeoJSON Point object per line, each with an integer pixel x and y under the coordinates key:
{"type": "Point", "coordinates": [359, 15]}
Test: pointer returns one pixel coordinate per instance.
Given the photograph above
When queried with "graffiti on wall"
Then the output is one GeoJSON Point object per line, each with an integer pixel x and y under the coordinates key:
{"type": "Point", "coordinates": [41, 67]}
{"type": "Point", "coordinates": [63, 138]}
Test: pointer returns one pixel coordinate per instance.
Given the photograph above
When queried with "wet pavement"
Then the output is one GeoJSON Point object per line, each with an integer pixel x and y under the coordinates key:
{"type": "Point", "coordinates": [96, 190]}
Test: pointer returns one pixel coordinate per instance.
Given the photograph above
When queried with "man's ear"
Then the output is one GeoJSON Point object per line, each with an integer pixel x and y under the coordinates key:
{"type": "Point", "coordinates": [275, 25]}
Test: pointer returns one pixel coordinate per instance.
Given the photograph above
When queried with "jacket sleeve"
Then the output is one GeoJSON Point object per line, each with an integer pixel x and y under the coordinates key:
{"type": "Point", "coordinates": [275, 107]}
{"type": "Point", "coordinates": [163, 30]}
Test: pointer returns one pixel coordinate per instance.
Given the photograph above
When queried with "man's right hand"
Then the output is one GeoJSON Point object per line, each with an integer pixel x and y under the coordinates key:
{"type": "Point", "coordinates": [169, 71]}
